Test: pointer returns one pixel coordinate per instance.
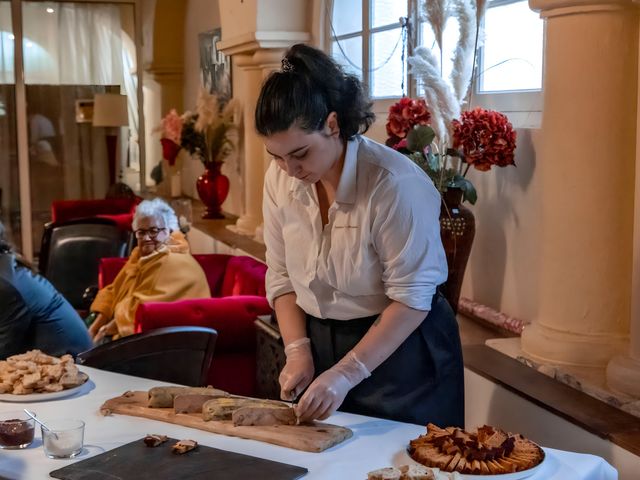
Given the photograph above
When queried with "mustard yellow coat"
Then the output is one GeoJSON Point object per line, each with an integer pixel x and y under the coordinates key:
{"type": "Point", "coordinates": [169, 274]}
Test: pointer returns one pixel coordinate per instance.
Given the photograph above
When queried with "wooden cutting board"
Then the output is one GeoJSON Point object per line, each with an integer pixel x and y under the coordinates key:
{"type": "Point", "coordinates": [136, 461]}
{"type": "Point", "coordinates": [309, 438]}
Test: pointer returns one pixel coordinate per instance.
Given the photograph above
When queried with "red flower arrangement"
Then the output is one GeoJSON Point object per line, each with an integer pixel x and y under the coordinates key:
{"type": "Point", "coordinates": [486, 138]}
{"type": "Point", "coordinates": [403, 116]}
{"type": "Point", "coordinates": [481, 138]}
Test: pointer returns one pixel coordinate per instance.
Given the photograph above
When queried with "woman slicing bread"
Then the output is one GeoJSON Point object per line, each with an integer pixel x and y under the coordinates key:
{"type": "Point", "coordinates": [354, 256]}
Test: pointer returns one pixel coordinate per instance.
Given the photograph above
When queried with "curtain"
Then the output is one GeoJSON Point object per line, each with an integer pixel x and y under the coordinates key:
{"type": "Point", "coordinates": [71, 51]}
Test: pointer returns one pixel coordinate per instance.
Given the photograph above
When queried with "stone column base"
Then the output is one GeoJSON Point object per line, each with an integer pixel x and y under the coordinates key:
{"type": "Point", "coordinates": [570, 348]}
{"type": "Point", "coordinates": [623, 375]}
{"type": "Point", "coordinates": [245, 225]}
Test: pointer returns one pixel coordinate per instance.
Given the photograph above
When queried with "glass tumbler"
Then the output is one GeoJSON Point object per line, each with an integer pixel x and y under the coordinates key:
{"type": "Point", "coordinates": [16, 430]}
{"type": "Point", "coordinates": [64, 439]}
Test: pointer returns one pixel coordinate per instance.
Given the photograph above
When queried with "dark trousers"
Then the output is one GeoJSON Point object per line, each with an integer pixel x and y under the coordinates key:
{"type": "Point", "coordinates": [421, 382]}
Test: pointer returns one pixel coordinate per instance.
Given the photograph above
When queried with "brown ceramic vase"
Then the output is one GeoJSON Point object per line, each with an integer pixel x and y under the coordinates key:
{"type": "Point", "coordinates": [457, 229]}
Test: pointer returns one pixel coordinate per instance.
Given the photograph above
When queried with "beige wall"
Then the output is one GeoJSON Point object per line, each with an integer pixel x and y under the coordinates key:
{"type": "Point", "coordinates": [201, 16]}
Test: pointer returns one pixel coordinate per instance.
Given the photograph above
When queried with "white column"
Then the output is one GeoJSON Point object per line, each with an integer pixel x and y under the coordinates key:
{"type": "Point", "coordinates": [253, 68]}
{"type": "Point", "coordinates": [623, 371]}
{"type": "Point", "coordinates": [256, 33]}
{"type": "Point", "coordinates": [586, 162]}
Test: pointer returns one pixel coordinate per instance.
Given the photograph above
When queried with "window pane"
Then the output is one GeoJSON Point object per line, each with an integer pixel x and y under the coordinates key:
{"type": "Point", "coordinates": [10, 214]}
{"type": "Point", "coordinates": [449, 39]}
{"type": "Point", "coordinates": [6, 43]}
{"type": "Point", "coordinates": [348, 53]}
{"type": "Point", "coordinates": [386, 64]}
{"type": "Point", "coordinates": [346, 17]}
{"type": "Point", "coordinates": [512, 53]}
{"type": "Point", "coordinates": [386, 12]}
{"type": "Point", "coordinates": [73, 51]}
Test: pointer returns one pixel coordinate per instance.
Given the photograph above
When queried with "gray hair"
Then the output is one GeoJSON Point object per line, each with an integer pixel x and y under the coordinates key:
{"type": "Point", "coordinates": [158, 209]}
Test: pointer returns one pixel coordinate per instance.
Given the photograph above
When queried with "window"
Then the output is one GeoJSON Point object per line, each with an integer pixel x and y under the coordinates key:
{"type": "Point", "coordinates": [511, 57]}
{"type": "Point", "coordinates": [367, 39]}
{"type": "Point", "coordinates": [510, 63]}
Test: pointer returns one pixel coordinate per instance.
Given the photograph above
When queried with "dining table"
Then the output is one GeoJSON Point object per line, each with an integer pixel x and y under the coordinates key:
{"type": "Point", "coordinates": [376, 443]}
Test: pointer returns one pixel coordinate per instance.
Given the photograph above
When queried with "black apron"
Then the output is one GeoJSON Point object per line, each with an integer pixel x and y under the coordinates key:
{"type": "Point", "coordinates": [421, 382]}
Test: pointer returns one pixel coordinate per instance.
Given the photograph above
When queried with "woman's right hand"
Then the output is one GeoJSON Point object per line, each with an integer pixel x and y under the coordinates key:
{"type": "Point", "coordinates": [298, 371]}
{"type": "Point", "coordinates": [95, 326]}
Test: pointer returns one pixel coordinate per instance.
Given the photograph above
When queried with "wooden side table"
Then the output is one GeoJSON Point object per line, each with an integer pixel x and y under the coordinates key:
{"type": "Point", "coordinates": [270, 357]}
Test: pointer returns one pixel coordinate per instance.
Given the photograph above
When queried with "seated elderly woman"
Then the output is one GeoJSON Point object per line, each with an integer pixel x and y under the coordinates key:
{"type": "Point", "coordinates": [33, 314]}
{"type": "Point", "coordinates": [160, 269]}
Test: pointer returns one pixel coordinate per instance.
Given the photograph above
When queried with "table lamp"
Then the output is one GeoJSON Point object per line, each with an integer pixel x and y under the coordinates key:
{"type": "Point", "coordinates": [110, 110]}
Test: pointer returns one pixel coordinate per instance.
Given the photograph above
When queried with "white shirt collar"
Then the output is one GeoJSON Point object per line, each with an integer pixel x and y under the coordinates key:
{"type": "Point", "coordinates": [346, 187]}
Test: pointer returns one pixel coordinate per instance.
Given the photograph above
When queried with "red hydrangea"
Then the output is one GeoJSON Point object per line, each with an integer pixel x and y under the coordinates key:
{"type": "Point", "coordinates": [486, 137]}
{"type": "Point", "coordinates": [404, 115]}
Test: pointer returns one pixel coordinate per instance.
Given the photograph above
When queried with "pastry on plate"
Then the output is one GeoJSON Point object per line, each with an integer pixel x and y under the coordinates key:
{"type": "Point", "coordinates": [485, 451]}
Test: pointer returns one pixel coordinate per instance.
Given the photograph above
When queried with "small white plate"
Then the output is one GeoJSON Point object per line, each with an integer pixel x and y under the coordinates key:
{"type": "Point", "coordinates": [43, 397]}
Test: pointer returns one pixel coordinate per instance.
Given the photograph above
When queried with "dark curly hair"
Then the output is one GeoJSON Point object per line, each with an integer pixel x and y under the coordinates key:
{"type": "Point", "coordinates": [309, 87]}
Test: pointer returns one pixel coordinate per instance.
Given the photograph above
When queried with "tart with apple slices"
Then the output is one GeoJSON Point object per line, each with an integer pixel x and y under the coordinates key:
{"type": "Point", "coordinates": [486, 451]}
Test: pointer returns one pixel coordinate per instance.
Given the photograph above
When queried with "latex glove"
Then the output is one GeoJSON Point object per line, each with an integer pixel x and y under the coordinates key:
{"type": "Point", "coordinates": [328, 391]}
{"type": "Point", "coordinates": [298, 371]}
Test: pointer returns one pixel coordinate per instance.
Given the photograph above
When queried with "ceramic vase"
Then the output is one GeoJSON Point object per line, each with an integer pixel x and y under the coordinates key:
{"type": "Point", "coordinates": [213, 188]}
{"type": "Point", "coordinates": [457, 229]}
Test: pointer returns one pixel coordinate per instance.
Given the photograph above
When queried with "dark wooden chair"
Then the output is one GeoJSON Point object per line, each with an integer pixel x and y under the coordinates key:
{"type": "Point", "coordinates": [176, 354]}
{"type": "Point", "coordinates": [71, 251]}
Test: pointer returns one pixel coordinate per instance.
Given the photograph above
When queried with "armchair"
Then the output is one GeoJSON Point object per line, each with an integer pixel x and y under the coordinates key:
{"type": "Point", "coordinates": [238, 297]}
{"type": "Point", "coordinates": [119, 210]}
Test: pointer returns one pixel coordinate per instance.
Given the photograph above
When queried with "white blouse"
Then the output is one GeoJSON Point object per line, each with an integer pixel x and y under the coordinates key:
{"type": "Point", "coordinates": [382, 240]}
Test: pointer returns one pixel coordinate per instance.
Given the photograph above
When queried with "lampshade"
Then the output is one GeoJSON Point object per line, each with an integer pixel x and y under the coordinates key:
{"type": "Point", "coordinates": [110, 110]}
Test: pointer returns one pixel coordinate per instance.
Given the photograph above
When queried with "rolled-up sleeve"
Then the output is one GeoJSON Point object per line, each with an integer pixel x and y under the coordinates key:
{"type": "Point", "coordinates": [406, 235]}
{"type": "Point", "coordinates": [277, 280]}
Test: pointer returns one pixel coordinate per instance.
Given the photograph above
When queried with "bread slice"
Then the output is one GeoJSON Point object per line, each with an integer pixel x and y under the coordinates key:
{"type": "Point", "coordinates": [192, 402]}
{"type": "Point", "coordinates": [387, 473]}
{"type": "Point", "coordinates": [162, 397]}
{"type": "Point", "coordinates": [264, 416]}
{"type": "Point", "coordinates": [416, 472]}
{"type": "Point", "coordinates": [222, 408]}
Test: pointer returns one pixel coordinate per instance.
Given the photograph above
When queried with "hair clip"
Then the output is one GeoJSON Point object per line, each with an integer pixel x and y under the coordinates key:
{"type": "Point", "coordinates": [287, 66]}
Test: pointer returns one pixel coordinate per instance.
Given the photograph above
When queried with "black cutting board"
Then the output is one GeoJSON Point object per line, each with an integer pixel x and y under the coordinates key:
{"type": "Point", "coordinates": [136, 461]}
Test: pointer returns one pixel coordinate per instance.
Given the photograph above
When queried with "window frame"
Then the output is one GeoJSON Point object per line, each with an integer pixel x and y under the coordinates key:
{"type": "Point", "coordinates": [366, 33]}
{"type": "Point", "coordinates": [523, 107]}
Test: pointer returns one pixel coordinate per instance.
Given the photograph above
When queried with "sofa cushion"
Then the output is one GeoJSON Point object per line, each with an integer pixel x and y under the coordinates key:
{"type": "Point", "coordinates": [214, 266]}
{"type": "Point", "coordinates": [244, 276]}
{"type": "Point", "coordinates": [65, 210]}
{"type": "Point", "coordinates": [232, 317]}
{"type": "Point", "coordinates": [109, 269]}
{"type": "Point", "coordinates": [123, 220]}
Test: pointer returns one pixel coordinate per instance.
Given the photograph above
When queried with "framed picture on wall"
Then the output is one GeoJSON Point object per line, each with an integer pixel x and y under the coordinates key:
{"type": "Point", "coordinates": [215, 66]}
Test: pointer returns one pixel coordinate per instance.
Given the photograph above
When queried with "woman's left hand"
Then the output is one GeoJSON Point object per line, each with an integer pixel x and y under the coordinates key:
{"type": "Point", "coordinates": [327, 392]}
{"type": "Point", "coordinates": [109, 329]}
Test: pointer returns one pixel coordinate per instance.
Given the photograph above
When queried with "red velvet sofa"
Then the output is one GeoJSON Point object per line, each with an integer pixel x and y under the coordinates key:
{"type": "Point", "coordinates": [120, 210]}
{"type": "Point", "coordinates": [238, 291]}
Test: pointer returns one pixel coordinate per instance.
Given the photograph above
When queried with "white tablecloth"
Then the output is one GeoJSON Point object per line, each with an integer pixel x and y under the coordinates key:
{"type": "Point", "coordinates": [375, 443]}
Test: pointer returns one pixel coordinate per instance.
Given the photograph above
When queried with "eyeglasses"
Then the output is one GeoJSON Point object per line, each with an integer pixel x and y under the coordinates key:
{"type": "Point", "coordinates": [152, 232]}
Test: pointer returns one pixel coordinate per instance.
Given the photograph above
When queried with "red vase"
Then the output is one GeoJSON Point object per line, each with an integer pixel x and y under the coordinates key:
{"type": "Point", "coordinates": [457, 229]}
{"type": "Point", "coordinates": [213, 188]}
